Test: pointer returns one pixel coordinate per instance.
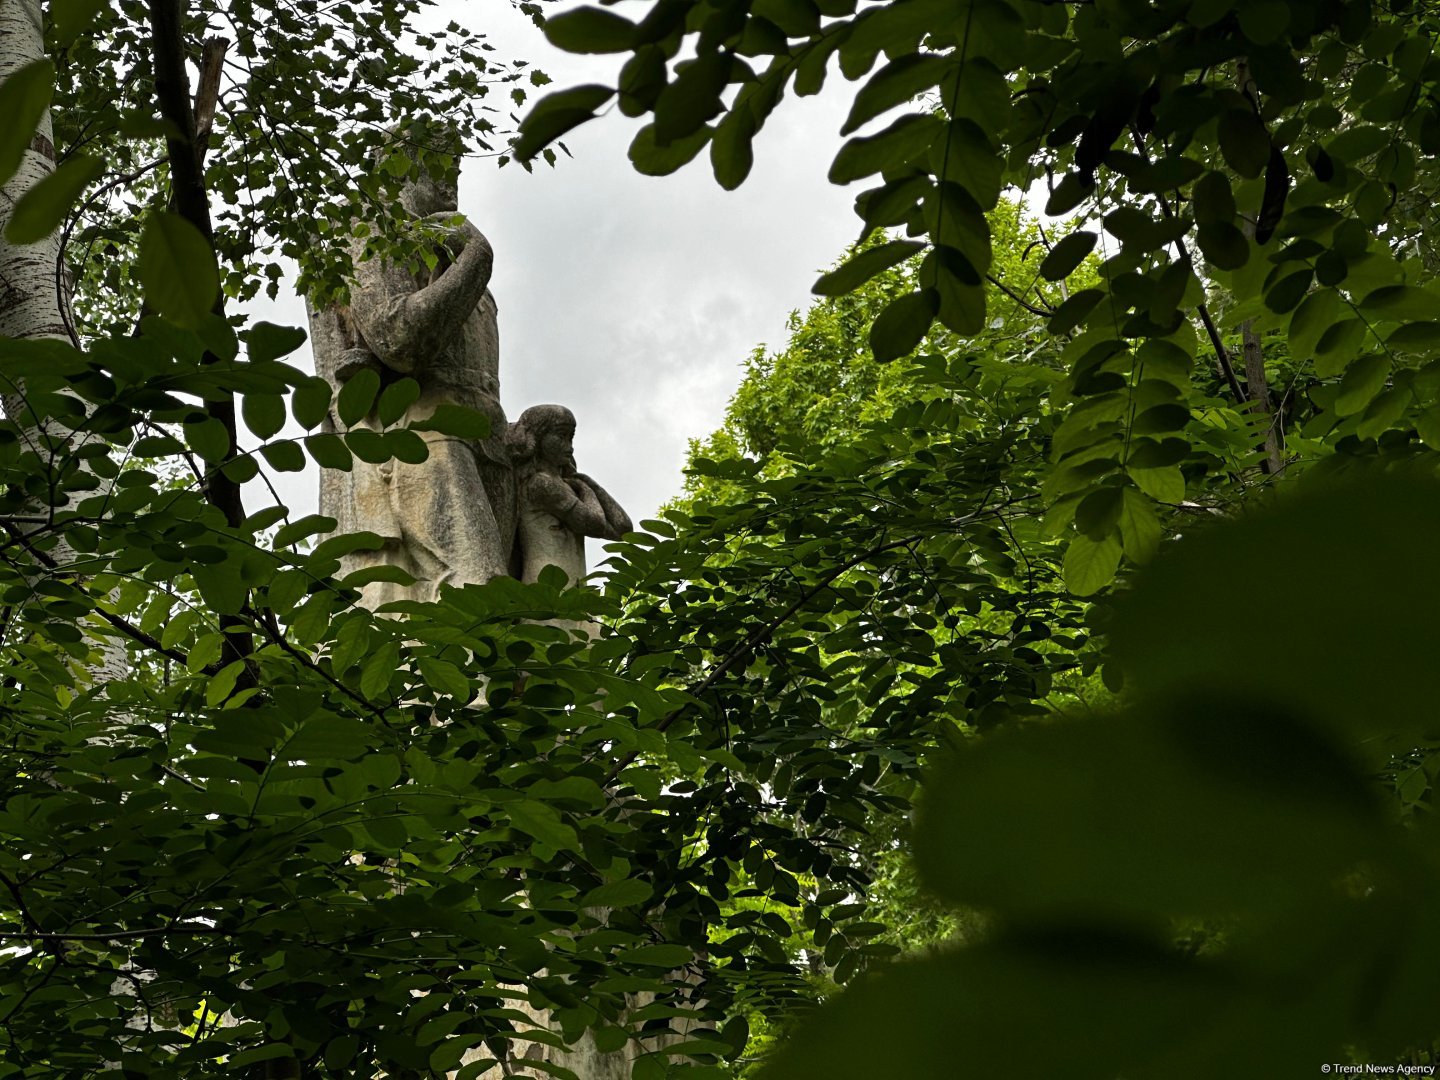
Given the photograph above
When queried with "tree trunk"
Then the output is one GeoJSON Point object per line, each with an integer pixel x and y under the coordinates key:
{"type": "Point", "coordinates": [33, 300]}
{"type": "Point", "coordinates": [34, 287]}
{"type": "Point", "coordinates": [1257, 383]}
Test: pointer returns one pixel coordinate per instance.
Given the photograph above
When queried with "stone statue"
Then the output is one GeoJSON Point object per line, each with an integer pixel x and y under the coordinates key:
{"type": "Point", "coordinates": [558, 507]}
{"type": "Point", "coordinates": [449, 520]}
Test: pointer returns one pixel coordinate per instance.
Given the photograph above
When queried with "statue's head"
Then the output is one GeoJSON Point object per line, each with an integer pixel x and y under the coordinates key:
{"type": "Point", "coordinates": [433, 149]}
{"type": "Point", "coordinates": [544, 435]}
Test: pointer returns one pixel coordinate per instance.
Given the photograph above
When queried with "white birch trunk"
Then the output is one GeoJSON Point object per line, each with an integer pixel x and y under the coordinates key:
{"type": "Point", "coordinates": [30, 302]}
{"type": "Point", "coordinates": [34, 290]}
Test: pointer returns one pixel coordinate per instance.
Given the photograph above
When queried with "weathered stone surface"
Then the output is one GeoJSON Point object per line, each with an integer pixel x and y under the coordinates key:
{"type": "Point", "coordinates": [450, 519]}
{"type": "Point", "coordinates": [558, 506]}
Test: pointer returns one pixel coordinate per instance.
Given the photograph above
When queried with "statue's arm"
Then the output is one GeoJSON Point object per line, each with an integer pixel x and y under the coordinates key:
{"type": "Point", "coordinates": [617, 521]}
{"type": "Point", "coordinates": [405, 324]}
{"type": "Point", "coordinates": [575, 505]}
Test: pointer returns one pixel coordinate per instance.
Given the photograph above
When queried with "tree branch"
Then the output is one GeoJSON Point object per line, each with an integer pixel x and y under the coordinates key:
{"type": "Point", "coordinates": [207, 94]}
{"type": "Point", "coordinates": [1222, 356]}
{"type": "Point", "coordinates": [188, 195]}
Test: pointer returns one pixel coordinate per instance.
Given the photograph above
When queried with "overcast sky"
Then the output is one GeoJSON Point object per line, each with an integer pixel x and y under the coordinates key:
{"type": "Point", "coordinates": [635, 300]}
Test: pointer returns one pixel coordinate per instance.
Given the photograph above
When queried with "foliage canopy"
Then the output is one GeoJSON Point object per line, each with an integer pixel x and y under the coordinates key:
{"type": "Point", "coordinates": [293, 838]}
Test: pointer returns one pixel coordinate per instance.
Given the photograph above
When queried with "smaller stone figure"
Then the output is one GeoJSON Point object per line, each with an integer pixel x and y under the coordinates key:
{"type": "Point", "coordinates": [558, 507]}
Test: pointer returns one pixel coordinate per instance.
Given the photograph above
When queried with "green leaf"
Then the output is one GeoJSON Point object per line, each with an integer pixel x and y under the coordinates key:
{"type": "Point", "coordinates": [1244, 142]}
{"type": "Point", "coordinates": [1072, 312]}
{"type": "Point", "coordinates": [1164, 484]}
{"type": "Point", "coordinates": [544, 823]}
{"type": "Point", "coordinates": [1401, 303]}
{"type": "Point", "coordinates": [665, 956]}
{"type": "Point", "coordinates": [731, 150]}
{"type": "Point", "coordinates": [1264, 22]}
{"type": "Point", "coordinates": [177, 269]}
{"type": "Point", "coordinates": [900, 81]}
{"type": "Point", "coordinates": [1427, 426]}
{"type": "Point", "coordinates": [555, 114]}
{"type": "Point", "coordinates": [311, 402]}
{"type": "Point", "coordinates": [693, 98]}
{"type": "Point", "coordinates": [40, 210]}
{"type": "Point", "coordinates": [1416, 337]}
{"type": "Point", "coordinates": [964, 156]}
{"type": "Point", "coordinates": [1337, 346]}
{"type": "Point", "coordinates": [1224, 245]}
{"type": "Point", "coordinates": [367, 575]}
{"type": "Point", "coordinates": [397, 397]}
{"type": "Point", "coordinates": [903, 325]}
{"type": "Point", "coordinates": [445, 677]}
{"type": "Point", "coordinates": [1066, 255]}
{"type": "Point", "coordinates": [327, 737]}
{"type": "Point", "coordinates": [1362, 381]}
{"type": "Point", "coordinates": [379, 668]}
{"type": "Point", "coordinates": [866, 265]}
{"type": "Point", "coordinates": [310, 524]}
{"type": "Point", "coordinates": [1312, 318]}
{"type": "Point", "coordinates": [957, 221]}
{"type": "Point", "coordinates": [1167, 174]}
{"type": "Point", "coordinates": [1140, 529]}
{"type": "Point", "coordinates": [404, 445]}
{"type": "Point", "coordinates": [368, 445]}
{"type": "Point", "coordinates": [608, 1040]}
{"type": "Point", "coordinates": [209, 439]}
{"type": "Point", "coordinates": [269, 1052]}
{"type": "Point", "coordinates": [329, 452]}
{"type": "Point", "coordinates": [1099, 512]}
{"type": "Point", "coordinates": [1069, 193]}
{"type": "Point", "coordinates": [905, 139]}
{"type": "Point", "coordinates": [220, 587]}
{"type": "Point", "coordinates": [1069, 834]}
{"type": "Point", "coordinates": [456, 421]}
{"type": "Point", "coordinates": [1384, 412]}
{"type": "Point", "coordinates": [264, 414]}
{"type": "Point", "coordinates": [72, 18]}
{"type": "Point", "coordinates": [284, 456]}
{"type": "Point", "coordinates": [1340, 553]}
{"type": "Point", "coordinates": [357, 396]}
{"type": "Point", "coordinates": [1090, 564]}
{"type": "Point", "coordinates": [1212, 199]}
{"type": "Point", "coordinates": [1285, 294]}
{"type": "Point", "coordinates": [617, 894]}
{"type": "Point", "coordinates": [590, 30]}
{"type": "Point", "coordinates": [24, 97]}
{"type": "Point", "coordinates": [797, 18]}
{"type": "Point", "coordinates": [961, 292]}
{"type": "Point", "coordinates": [267, 341]}
{"type": "Point", "coordinates": [652, 159]}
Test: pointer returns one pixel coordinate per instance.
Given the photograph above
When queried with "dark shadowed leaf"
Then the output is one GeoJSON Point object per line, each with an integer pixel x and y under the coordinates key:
{"type": "Point", "coordinates": [41, 209]}
{"type": "Point", "coordinates": [557, 113]}
{"type": "Point", "coordinates": [1066, 255]}
{"type": "Point", "coordinates": [903, 324]}
{"type": "Point", "coordinates": [590, 30]}
{"type": "Point", "coordinates": [864, 266]}
{"type": "Point", "coordinates": [24, 97]}
{"type": "Point", "coordinates": [177, 269]}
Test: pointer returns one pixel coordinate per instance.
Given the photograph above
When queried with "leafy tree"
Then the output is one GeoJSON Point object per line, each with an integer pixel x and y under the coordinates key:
{"type": "Point", "coordinates": [1255, 178]}
{"type": "Point", "coordinates": [283, 836]}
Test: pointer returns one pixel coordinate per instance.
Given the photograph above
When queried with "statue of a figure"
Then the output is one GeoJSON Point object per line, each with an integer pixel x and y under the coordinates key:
{"type": "Point", "coordinates": [450, 519]}
{"type": "Point", "coordinates": [558, 507]}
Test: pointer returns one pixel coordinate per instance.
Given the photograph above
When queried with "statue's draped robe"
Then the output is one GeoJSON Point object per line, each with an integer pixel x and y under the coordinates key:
{"type": "Point", "coordinates": [451, 519]}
